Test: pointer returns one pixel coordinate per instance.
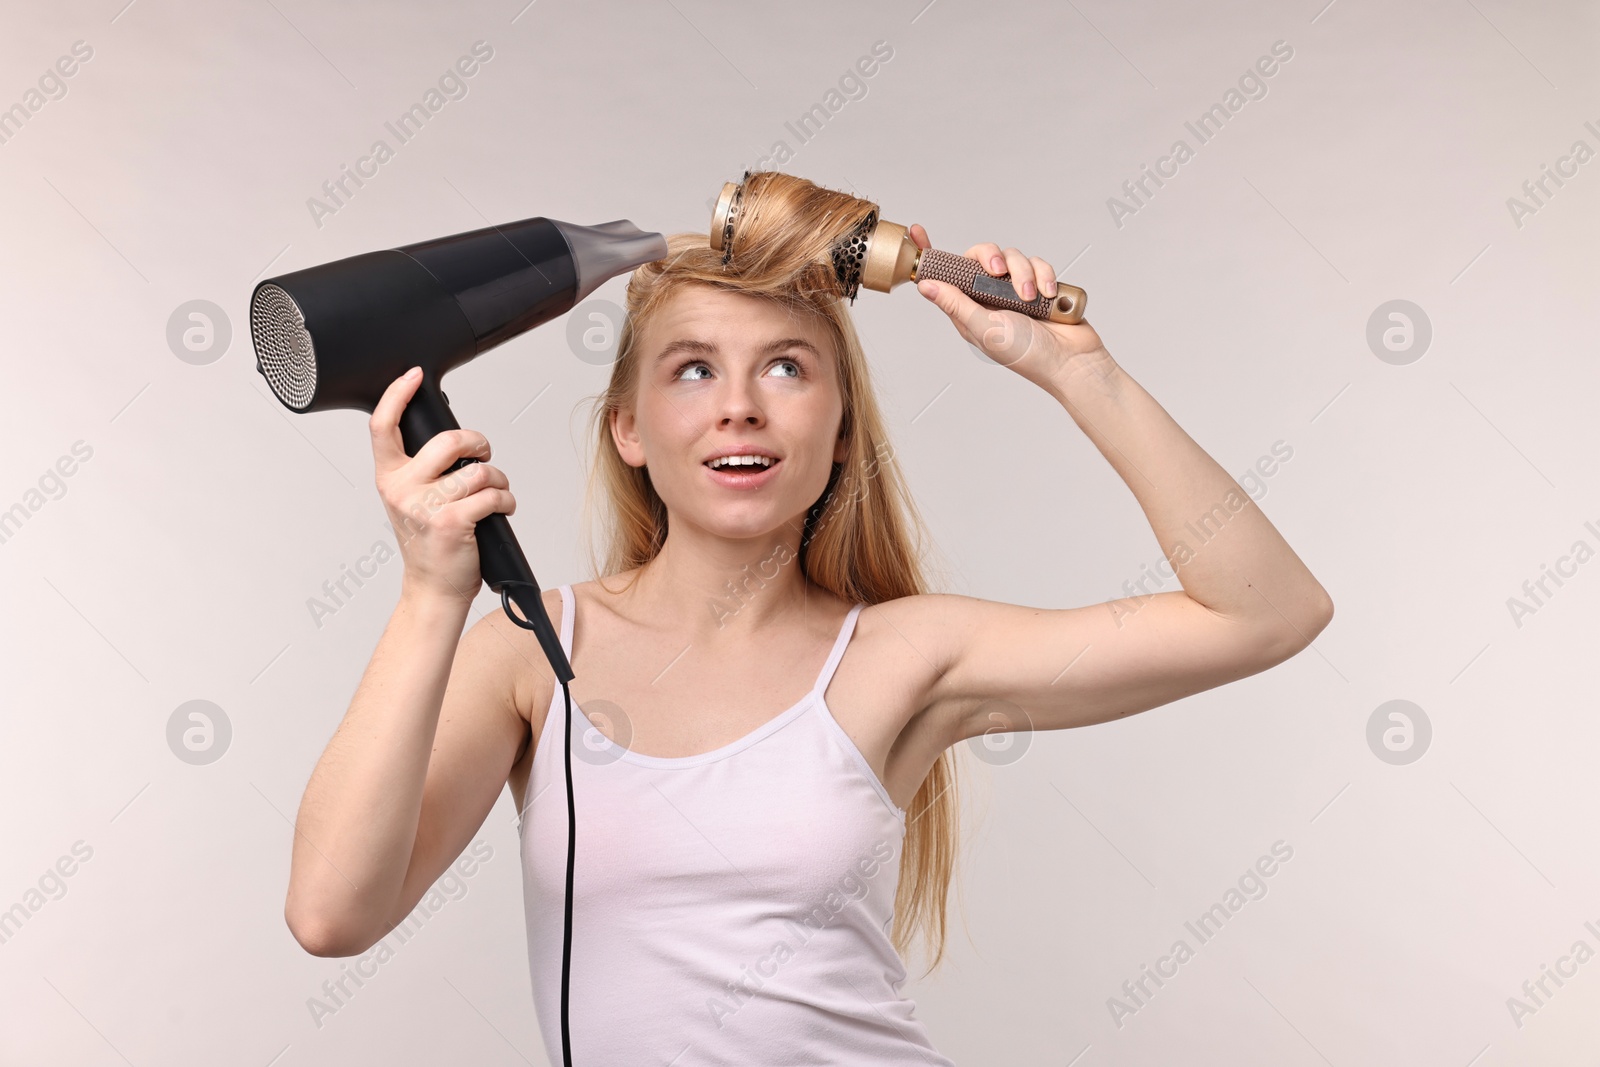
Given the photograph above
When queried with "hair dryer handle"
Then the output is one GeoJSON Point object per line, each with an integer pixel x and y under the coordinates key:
{"type": "Point", "coordinates": [500, 558]}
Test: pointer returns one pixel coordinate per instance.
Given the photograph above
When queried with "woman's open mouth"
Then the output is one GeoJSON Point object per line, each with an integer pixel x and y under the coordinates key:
{"type": "Point", "coordinates": [742, 473]}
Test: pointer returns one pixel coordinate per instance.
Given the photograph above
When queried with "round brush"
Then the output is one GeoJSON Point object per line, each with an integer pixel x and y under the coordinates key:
{"type": "Point", "coordinates": [881, 255]}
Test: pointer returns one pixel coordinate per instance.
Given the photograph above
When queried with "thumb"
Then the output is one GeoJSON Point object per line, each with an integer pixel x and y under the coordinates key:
{"type": "Point", "coordinates": [947, 297]}
{"type": "Point", "coordinates": [971, 319]}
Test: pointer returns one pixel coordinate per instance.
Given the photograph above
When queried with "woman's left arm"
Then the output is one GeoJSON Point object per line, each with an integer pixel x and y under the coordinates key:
{"type": "Point", "coordinates": [1247, 601]}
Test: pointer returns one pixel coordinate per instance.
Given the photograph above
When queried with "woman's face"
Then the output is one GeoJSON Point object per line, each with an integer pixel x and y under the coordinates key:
{"type": "Point", "coordinates": [721, 371]}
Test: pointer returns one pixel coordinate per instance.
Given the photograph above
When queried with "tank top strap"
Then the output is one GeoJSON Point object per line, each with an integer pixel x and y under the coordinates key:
{"type": "Point", "coordinates": [567, 605]}
{"type": "Point", "coordinates": [839, 644]}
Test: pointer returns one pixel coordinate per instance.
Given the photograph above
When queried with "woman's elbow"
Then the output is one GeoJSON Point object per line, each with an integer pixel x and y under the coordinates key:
{"type": "Point", "coordinates": [1297, 637]}
{"type": "Point", "coordinates": [320, 937]}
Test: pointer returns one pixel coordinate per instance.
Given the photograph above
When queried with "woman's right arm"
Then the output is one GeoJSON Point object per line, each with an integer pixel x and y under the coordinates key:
{"type": "Point", "coordinates": [435, 724]}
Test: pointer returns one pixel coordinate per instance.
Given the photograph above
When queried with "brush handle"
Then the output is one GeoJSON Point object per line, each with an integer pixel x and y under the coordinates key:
{"type": "Point", "coordinates": [500, 557]}
{"type": "Point", "coordinates": [969, 276]}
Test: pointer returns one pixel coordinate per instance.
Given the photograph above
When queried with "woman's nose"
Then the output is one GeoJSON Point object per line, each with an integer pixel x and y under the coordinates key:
{"type": "Point", "coordinates": [738, 401]}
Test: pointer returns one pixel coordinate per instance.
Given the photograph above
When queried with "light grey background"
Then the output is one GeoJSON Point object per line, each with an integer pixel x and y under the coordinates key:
{"type": "Point", "coordinates": [176, 563]}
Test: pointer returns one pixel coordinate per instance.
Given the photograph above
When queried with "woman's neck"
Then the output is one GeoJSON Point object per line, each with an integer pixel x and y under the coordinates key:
{"type": "Point", "coordinates": [715, 587]}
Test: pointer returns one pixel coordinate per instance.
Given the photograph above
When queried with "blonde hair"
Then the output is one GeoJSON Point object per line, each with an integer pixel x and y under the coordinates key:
{"type": "Point", "coordinates": [863, 537]}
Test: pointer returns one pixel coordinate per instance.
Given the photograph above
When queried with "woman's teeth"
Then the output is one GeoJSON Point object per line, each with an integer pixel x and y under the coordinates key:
{"type": "Point", "coordinates": [741, 461]}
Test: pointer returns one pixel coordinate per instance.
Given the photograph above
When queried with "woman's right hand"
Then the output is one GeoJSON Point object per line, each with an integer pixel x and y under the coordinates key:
{"type": "Point", "coordinates": [434, 514]}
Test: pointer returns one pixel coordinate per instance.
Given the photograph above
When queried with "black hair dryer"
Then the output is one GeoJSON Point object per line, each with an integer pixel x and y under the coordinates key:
{"type": "Point", "coordinates": [336, 336]}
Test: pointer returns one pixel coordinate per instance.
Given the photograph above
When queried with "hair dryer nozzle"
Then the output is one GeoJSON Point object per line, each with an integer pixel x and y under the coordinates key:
{"type": "Point", "coordinates": [602, 252]}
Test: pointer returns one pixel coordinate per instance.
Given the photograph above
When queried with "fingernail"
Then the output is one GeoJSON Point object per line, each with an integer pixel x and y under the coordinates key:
{"type": "Point", "coordinates": [997, 265]}
{"type": "Point", "coordinates": [413, 372]}
{"type": "Point", "coordinates": [927, 288]}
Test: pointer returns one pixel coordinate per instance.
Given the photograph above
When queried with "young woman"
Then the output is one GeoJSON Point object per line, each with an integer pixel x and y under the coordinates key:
{"type": "Point", "coordinates": [764, 785]}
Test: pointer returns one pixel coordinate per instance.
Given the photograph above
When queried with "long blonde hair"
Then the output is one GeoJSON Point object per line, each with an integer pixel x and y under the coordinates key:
{"type": "Point", "coordinates": [862, 540]}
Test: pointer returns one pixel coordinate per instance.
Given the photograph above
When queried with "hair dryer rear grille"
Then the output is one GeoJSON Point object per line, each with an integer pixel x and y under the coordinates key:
{"type": "Point", "coordinates": [283, 346]}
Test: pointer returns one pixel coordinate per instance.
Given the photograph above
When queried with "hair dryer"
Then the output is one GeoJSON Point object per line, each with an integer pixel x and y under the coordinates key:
{"type": "Point", "coordinates": [336, 336]}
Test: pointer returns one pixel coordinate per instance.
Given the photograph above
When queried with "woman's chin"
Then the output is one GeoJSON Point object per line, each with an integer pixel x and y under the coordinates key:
{"type": "Point", "coordinates": [745, 521]}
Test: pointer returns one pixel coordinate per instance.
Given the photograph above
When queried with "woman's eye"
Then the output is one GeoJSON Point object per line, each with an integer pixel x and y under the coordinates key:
{"type": "Point", "coordinates": [793, 370]}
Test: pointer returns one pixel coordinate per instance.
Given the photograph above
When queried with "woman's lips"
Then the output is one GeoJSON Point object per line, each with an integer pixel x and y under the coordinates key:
{"type": "Point", "coordinates": [744, 477]}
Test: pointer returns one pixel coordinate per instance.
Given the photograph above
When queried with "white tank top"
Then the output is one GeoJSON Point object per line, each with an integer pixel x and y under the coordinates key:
{"type": "Point", "coordinates": [729, 908]}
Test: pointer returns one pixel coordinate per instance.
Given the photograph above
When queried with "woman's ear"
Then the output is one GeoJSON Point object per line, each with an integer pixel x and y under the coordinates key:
{"type": "Point", "coordinates": [625, 435]}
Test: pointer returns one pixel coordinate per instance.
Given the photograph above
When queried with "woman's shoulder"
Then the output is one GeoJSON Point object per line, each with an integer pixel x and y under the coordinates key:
{"type": "Point", "coordinates": [529, 673]}
{"type": "Point", "coordinates": [535, 682]}
{"type": "Point", "coordinates": [924, 622]}
{"type": "Point", "coordinates": [538, 684]}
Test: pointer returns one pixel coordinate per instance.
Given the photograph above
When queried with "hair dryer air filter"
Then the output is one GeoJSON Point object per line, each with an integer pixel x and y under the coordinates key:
{"type": "Point", "coordinates": [881, 255]}
{"type": "Point", "coordinates": [284, 349]}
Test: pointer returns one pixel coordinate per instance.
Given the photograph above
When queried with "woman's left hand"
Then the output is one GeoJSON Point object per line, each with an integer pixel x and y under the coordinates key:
{"type": "Point", "coordinates": [1041, 351]}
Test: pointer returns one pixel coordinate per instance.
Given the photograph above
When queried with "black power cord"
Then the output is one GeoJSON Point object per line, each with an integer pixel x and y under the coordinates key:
{"type": "Point", "coordinates": [572, 832]}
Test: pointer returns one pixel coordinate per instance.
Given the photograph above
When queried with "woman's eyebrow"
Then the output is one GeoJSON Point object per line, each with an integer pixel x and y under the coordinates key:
{"type": "Point", "coordinates": [706, 348]}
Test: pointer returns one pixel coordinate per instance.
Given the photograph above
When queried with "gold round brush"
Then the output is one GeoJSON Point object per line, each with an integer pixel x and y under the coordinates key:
{"type": "Point", "coordinates": [881, 255]}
